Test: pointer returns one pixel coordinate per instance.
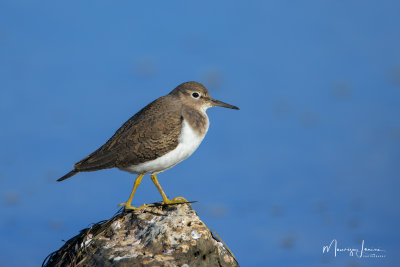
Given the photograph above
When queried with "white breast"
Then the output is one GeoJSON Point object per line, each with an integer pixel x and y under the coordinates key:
{"type": "Point", "coordinates": [189, 141]}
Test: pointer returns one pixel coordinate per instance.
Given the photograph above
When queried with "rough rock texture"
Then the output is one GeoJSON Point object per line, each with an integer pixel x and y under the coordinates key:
{"type": "Point", "coordinates": [156, 236]}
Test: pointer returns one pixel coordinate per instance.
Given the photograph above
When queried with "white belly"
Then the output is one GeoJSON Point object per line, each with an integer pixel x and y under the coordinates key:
{"type": "Point", "coordinates": [189, 141]}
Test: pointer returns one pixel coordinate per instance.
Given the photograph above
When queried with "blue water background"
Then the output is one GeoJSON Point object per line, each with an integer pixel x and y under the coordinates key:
{"type": "Point", "coordinates": [313, 155]}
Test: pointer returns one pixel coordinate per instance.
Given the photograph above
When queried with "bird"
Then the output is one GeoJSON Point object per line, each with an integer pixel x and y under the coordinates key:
{"type": "Point", "coordinates": [158, 137]}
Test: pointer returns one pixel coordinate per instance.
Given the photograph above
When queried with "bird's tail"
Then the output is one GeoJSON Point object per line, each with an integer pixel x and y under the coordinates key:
{"type": "Point", "coordinates": [68, 175]}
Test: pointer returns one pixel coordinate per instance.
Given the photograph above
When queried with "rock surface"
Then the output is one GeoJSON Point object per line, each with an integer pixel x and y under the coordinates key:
{"type": "Point", "coordinates": [156, 236]}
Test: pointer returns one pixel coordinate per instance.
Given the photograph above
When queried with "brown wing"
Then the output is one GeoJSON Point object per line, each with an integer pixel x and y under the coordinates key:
{"type": "Point", "coordinates": [149, 134]}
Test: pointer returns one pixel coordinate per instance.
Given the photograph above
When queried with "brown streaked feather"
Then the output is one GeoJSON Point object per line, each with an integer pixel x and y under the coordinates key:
{"type": "Point", "coordinates": [196, 120]}
{"type": "Point", "coordinates": [158, 125]}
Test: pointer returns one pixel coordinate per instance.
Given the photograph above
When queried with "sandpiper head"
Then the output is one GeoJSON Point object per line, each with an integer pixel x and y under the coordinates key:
{"type": "Point", "coordinates": [196, 95]}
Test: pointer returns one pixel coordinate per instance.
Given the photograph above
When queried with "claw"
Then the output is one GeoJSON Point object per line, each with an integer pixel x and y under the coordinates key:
{"type": "Point", "coordinates": [175, 200]}
{"type": "Point", "coordinates": [128, 206]}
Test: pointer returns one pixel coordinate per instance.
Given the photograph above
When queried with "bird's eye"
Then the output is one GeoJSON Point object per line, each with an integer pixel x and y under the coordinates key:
{"type": "Point", "coordinates": [195, 95]}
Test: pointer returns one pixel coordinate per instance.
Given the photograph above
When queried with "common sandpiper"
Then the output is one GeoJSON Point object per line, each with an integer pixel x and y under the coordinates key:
{"type": "Point", "coordinates": [161, 135]}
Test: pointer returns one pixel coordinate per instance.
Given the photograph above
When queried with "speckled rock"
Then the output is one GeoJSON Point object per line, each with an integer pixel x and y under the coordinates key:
{"type": "Point", "coordinates": [156, 236]}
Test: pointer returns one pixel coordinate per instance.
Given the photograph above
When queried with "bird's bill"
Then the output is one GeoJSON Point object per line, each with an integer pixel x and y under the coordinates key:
{"type": "Point", "coordinates": [217, 103]}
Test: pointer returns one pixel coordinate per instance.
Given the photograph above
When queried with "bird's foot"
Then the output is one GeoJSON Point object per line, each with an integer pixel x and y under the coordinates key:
{"type": "Point", "coordinates": [128, 206]}
{"type": "Point", "coordinates": [175, 200]}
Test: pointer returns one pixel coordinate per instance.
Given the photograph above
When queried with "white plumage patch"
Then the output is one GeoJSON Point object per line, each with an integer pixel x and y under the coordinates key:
{"type": "Point", "coordinates": [189, 141]}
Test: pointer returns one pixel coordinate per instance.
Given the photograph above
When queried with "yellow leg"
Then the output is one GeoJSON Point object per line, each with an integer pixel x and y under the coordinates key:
{"type": "Point", "coordinates": [175, 200]}
{"type": "Point", "coordinates": [127, 204]}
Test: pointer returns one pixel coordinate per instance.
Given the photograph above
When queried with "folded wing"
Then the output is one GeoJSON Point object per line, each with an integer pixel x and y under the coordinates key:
{"type": "Point", "coordinates": [147, 135]}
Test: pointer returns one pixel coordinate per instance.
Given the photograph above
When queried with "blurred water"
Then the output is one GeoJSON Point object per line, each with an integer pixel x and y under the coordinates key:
{"type": "Point", "coordinates": [312, 156]}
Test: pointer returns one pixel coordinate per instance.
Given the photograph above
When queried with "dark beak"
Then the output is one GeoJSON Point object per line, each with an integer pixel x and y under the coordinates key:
{"type": "Point", "coordinates": [217, 103]}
